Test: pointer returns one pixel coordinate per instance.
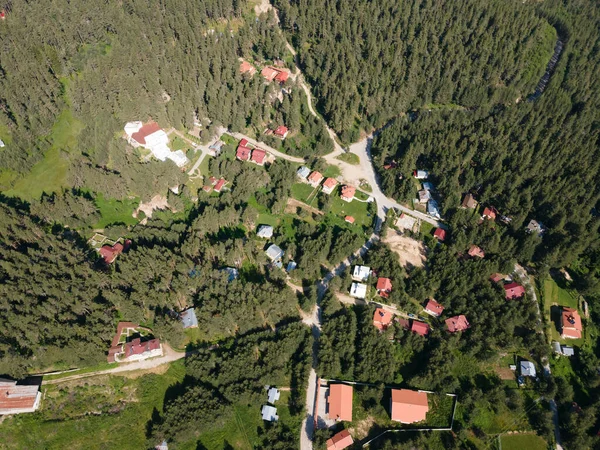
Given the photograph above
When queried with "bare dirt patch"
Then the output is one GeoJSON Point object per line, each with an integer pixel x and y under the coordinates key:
{"type": "Point", "coordinates": [505, 373]}
{"type": "Point", "coordinates": [361, 429]}
{"type": "Point", "coordinates": [292, 204]}
{"type": "Point", "coordinates": [410, 251]}
{"type": "Point", "coordinates": [157, 202]}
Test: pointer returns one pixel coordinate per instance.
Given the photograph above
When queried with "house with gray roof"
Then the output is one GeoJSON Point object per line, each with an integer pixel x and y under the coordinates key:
{"type": "Point", "coordinates": [269, 413]}
{"type": "Point", "coordinates": [527, 369]}
{"type": "Point", "coordinates": [265, 231]}
{"type": "Point", "coordinates": [274, 252]}
{"type": "Point", "coordinates": [188, 318]}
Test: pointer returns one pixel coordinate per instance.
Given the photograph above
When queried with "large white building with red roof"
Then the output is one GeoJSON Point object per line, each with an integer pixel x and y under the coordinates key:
{"type": "Point", "coordinates": [126, 346]}
{"type": "Point", "coordinates": [152, 137]}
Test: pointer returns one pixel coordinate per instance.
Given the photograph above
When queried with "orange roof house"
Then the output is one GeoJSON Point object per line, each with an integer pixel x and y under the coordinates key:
{"type": "Point", "coordinates": [457, 323]}
{"type": "Point", "coordinates": [340, 402]}
{"type": "Point", "coordinates": [476, 252]}
{"type": "Point", "coordinates": [489, 213]}
{"type": "Point", "coordinates": [513, 290]}
{"type": "Point", "coordinates": [315, 178]}
{"type": "Point", "coordinates": [433, 308]}
{"type": "Point", "coordinates": [220, 184]}
{"type": "Point", "coordinates": [439, 234]}
{"type": "Point", "coordinates": [382, 319]}
{"type": "Point", "coordinates": [495, 277]}
{"type": "Point", "coordinates": [258, 156]}
{"type": "Point", "coordinates": [349, 219]}
{"type": "Point", "coordinates": [329, 185]}
{"type": "Point", "coordinates": [281, 132]}
{"type": "Point", "coordinates": [340, 441]}
{"type": "Point", "coordinates": [408, 406]}
{"type": "Point", "coordinates": [243, 153]}
{"type": "Point", "coordinates": [384, 286]}
{"type": "Point", "coordinates": [246, 67]}
{"type": "Point", "coordinates": [571, 327]}
{"type": "Point", "coordinates": [420, 328]}
{"type": "Point", "coordinates": [282, 76]}
{"type": "Point", "coordinates": [348, 193]}
{"type": "Point", "coordinates": [269, 73]}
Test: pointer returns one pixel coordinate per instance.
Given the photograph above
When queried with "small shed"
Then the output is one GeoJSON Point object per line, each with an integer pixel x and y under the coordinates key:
{"type": "Point", "coordinates": [567, 350]}
{"type": "Point", "coordinates": [273, 395]}
{"type": "Point", "coordinates": [188, 318]}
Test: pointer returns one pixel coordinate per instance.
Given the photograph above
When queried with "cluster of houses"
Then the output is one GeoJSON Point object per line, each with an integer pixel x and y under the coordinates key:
{"type": "Point", "coordinates": [425, 194]}
{"type": "Point", "coordinates": [512, 289]}
{"type": "Point", "coordinates": [406, 406]}
{"type": "Point", "coordinates": [269, 73]}
{"type": "Point", "coordinates": [268, 411]}
{"type": "Point", "coordinates": [153, 138]}
{"type": "Point", "coordinates": [245, 152]}
{"type": "Point", "coordinates": [127, 344]}
{"type": "Point", "coordinates": [216, 184]}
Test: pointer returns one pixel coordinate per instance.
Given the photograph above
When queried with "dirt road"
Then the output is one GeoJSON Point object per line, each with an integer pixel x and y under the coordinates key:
{"type": "Point", "coordinates": [269, 149]}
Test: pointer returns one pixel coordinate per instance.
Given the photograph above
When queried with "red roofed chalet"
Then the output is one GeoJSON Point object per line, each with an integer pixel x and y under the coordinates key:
{"type": "Point", "coordinates": [349, 219]}
{"type": "Point", "coordinates": [220, 184]}
{"type": "Point", "coordinates": [384, 287]}
{"type": "Point", "coordinates": [513, 290]}
{"type": "Point", "coordinates": [246, 67]}
{"type": "Point", "coordinates": [382, 319]}
{"type": "Point", "coordinates": [439, 234]}
{"type": "Point", "coordinates": [339, 402]}
{"type": "Point", "coordinates": [269, 73]}
{"type": "Point", "coordinates": [457, 323]}
{"type": "Point", "coordinates": [408, 406]}
{"type": "Point", "coordinates": [420, 328]}
{"type": "Point", "coordinates": [146, 130]}
{"type": "Point", "coordinates": [340, 441]}
{"type": "Point", "coordinates": [258, 156]}
{"type": "Point", "coordinates": [571, 327]}
{"type": "Point", "coordinates": [434, 308]}
{"type": "Point", "coordinates": [282, 76]}
{"type": "Point", "coordinates": [281, 132]}
{"type": "Point", "coordinates": [242, 153]}
{"type": "Point", "coordinates": [489, 213]}
{"type": "Point", "coordinates": [110, 253]}
{"type": "Point", "coordinates": [476, 252]}
{"type": "Point", "coordinates": [348, 193]}
{"type": "Point", "coordinates": [329, 185]}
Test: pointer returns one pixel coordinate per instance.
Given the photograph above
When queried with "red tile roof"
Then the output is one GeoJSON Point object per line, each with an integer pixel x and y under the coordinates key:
{"type": "Point", "coordinates": [243, 153]}
{"type": "Point", "coordinates": [420, 328]}
{"type": "Point", "coordinates": [220, 185]}
{"type": "Point", "coordinates": [490, 213]}
{"type": "Point", "coordinates": [258, 156]}
{"type": "Point", "coordinates": [243, 143]}
{"type": "Point", "coordinates": [497, 277]}
{"type": "Point", "coordinates": [109, 254]}
{"type": "Point", "coordinates": [382, 318]}
{"type": "Point", "coordinates": [280, 131]}
{"type": "Point", "coordinates": [15, 397]}
{"type": "Point", "coordinates": [282, 76]}
{"type": "Point", "coordinates": [349, 219]}
{"type": "Point", "coordinates": [434, 307]}
{"type": "Point", "coordinates": [315, 177]}
{"type": "Point", "coordinates": [476, 251]}
{"type": "Point", "coordinates": [340, 441]}
{"type": "Point", "coordinates": [571, 323]}
{"type": "Point", "coordinates": [513, 290]}
{"type": "Point", "coordinates": [146, 130]}
{"type": "Point", "coordinates": [348, 192]}
{"type": "Point", "coordinates": [137, 347]}
{"type": "Point", "coordinates": [440, 234]}
{"type": "Point", "coordinates": [245, 66]}
{"type": "Point", "coordinates": [330, 183]}
{"type": "Point", "coordinates": [384, 284]}
{"type": "Point", "coordinates": [409, 406]}
{"type": "Point", "coordinates": [269, 73]}
{"type": "Point", "coordinates": [340, 402]}
{"type": "Point", "coordinates": [457, 323]}
{"type": "Point", "coordinates": [120, 327]}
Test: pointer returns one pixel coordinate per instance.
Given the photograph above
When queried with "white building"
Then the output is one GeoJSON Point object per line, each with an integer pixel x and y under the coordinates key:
{"type": "Point", "coordinates": [303, 172]}
{"type": "Point", "coordinates": [361, 273]}
{"type": "Point", "coordinates": [432, 209]}
{"type": "Point", "coordinates": [269, 413]}
{"type": "Point", "coordinates": [527, 369]}
{"type": "Point", "coordinates": [358, 290]}
{"type": "Point", "coordinates": [1, 143]}
{"type": "Point", "coordinates": [421, 174]}
{"type": "Point", "coordinates": [265, 231]}
{"type": "Point", "coordinates": [152, 137]}
{"type": "Point", "coordinates": [273, 394]}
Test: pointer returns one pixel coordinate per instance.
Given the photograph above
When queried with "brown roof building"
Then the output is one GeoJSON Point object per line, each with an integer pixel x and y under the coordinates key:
{"type": "Point", "coordinates": [421, 328]}
{"type": "Point", "coordinates": [384, 287]}
{"type": "Point", "coordinates": [476, 252]}
{"type": "Point", "coordinates": [513, 290]}
{"type": "Point", "coordinates": [457, 323]}
{"type": "Point", "coordinates": [17, 399]}
{"type": "Point", "coordinates": [408, 406]}
{"type": "Point", "coordinates": [340, 402]}
{"type": "Point", "coordinates": [340, 441]}
{"type": "Point", "coordinates": [469, 202]}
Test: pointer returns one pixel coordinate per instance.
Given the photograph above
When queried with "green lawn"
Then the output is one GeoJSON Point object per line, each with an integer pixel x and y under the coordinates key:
{"type": "Point", "coordinates": [349, 158]}
{"type": "Point", "coordinates": [523, 441]}
{"type": "Point", "coordinates": [179, 144]}
{"type": "Point", "coordinates": [229, 140]}
{"type": "Point", "coordinates": [68, 417]}
{"type": "Point", "coordinates": [332, 172]}
{"type": "Point", "coordinates": [116, 211]}
{"type": "Point", "coordinates": [555, 294]}
{"type": "Point", "coordinates": [204, 166]}
{"type": "Point", "coordinates": [49, 174]}
{"type": "Point", "coordinates": [267, 219]}
{"type": "Point", "coordinates": [356, 209]}
{"type": "Point", "coordinates": [302, 191]}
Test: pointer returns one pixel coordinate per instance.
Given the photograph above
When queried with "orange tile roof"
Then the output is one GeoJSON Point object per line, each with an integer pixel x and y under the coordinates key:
{"type": "Point", "coordinates": [457, 323]}
{"type": "Point", "coordinates": [315, 177]}
{"type": "Point", "coordinates": [245, 66]}
{"type": "Point", "coordinates": [513, 290]}
{"type": "Point", "coordinates": [475, 251]}
{"type": "Point", "coordinates": [340, 402]}
{"type": "Point", "coordinates": [340, 441]}
{"type": "Point", "coordinates": [384, 284]}
{"type": "Point", "coordinates": [269, 73]}
{"type": "Point", "coordinates": [349, 219]}
{"type": "Point", "coordinates": [382, 318]}
{"type": "Point", "coordinates": [409, 406]}
{"type": "Point", "coordinates": [258, 156]}
{"type": "Point", "coordinates": [434, 307]}
{"type": "Point", "coordinates": [15, 397]}
{"type": "Point", "coordinates": [571, 323]}
{"type": "Point", "coordinates": [348, 191]}
{"type": "Point", "coordinates": [330, 183]}
{"type": "Point", "coordinates": [420, 328]}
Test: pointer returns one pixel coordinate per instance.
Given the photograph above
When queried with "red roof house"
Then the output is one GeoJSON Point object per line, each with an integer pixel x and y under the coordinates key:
{"type": "Point", "coordinates": [476, 252]}
{"type": "Point", "coordinates": [281, 132]}
{"type": "Point", "coordinates": [495, 277]}
{"type": "Point", "coordinates": [349, 219]}
{"type": "Point", "coordinates": [571, 327]}
{"type": "Point", "coordinates": [269, 73]}
{"type": "Point", "coordinates": [382, 319]}
{"type": "Point", "coordinates": [220, 184]}
{"type": "Point", "coordinates": [420, 328]}
{"type": "Point", "coordinates": [329, 185]}
{"type": "Point", "coordinates": [146, 130]}
{"type": "Point", "coordinates": [258, 156]}
{"type": "Point", "coordinates": [340, 441]}
{"type": "Point", "coordinates": [243, 143]}
{"type": "Point", "coordinates": [16, 399]}
{"type": "Point", "coordinates": [110, 253]}
{"type": "Point", "coordinates": [246, 67]}
{"type": "Point", "coordinates": [340, 402]}
{"type": "Point", "coordinates": [282, 76]}
{"type": "Point", "coordinates": [315, 178]}
{"type": "Point", "coordinates": [348, 193]}
{"type": "Point", "coordinates": [439, 234]}
{"type": "Point", "coordinates": [384, 286]}
{"type": "Point", "coordinates": [434, 308]}
{"type": "Point", "coordinates": [408, 406]}
{"type": "Point", "coordinates": [489, 213]}
{"type": "Point", "coordinates": [457, 323]}
{"type": "Point", "coordinates": [243, 153]}
{"type": "Point", "coordinates": [513, 290]}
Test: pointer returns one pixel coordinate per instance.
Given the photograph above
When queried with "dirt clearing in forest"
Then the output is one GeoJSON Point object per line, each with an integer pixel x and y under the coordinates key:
{"type": "Point", "coordinates": [410, 251]}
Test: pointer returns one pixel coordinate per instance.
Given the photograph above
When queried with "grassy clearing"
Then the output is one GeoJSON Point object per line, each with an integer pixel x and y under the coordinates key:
{"type": "Point", "coordinates": [554, 296]}
{"type": "Point", "coordinates": [356, 209]}
{"type": "Point", "coordinates": [332, 172]}
{"type": "Point", "coordinates": [267, 219]}
{"type": "Point", "coordinates": [69, 416]}
{"type": "Point", "coordinates": [557, 295]}
{"type": "Point", "coordinates": [302, 191]}
{"type": "Point", "coordinates": [349, 158]}
{"type": "Point", "coordinates": [204, 166]}
{"type": "Point", "coordinates": [49, 175]}
{"type": "Point", "coordinates": [116, 211]}
{"type": "Point", "coordinates": [521, 441]}
{"type": "Point", "coordinates": [228, 139]}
